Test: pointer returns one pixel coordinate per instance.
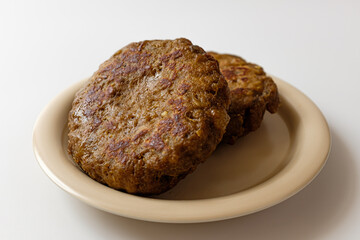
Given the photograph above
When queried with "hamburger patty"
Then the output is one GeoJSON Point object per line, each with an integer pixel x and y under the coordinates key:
{"type": "Point", "coordinates": [149, 116]}
{"type": "Point", "coordinates": [251, 93]}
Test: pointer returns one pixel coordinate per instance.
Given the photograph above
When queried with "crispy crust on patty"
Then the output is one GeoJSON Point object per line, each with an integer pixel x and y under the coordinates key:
{"type": "Point", "coordinates": [149, 116]}
{"type": "Point", "coordinates": [251, 93]}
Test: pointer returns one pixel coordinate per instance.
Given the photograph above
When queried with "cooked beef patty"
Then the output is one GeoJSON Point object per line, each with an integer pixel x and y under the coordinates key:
{"type": "Point", "coordinates": [149, 116]}
{"type": "Point", "coordinates": [251, 93]}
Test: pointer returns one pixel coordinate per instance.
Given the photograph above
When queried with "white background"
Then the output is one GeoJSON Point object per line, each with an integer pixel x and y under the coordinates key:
{"type": "Point", "coordinates": [45, 46]}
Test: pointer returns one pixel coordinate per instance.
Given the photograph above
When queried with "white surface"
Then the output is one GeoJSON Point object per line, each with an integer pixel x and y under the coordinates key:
{"type": "Point", "coordinates": [47, 46]}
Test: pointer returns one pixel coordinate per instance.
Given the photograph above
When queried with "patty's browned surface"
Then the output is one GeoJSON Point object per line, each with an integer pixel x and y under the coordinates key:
{"type": "Point", "coordinates": [251, 92]}
{"type": "Point", "coordinates": [149, 116]}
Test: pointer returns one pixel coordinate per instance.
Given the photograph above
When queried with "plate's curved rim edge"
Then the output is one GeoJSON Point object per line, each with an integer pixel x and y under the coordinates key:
{"type": "Point", "coordinates": [177, 219]}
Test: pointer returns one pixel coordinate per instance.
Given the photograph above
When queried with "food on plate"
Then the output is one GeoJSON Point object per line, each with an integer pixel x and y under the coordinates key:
{"type": "Point", "coordinates": [251, 93]}
{"type": "Point", "coordinates": [149, 116]}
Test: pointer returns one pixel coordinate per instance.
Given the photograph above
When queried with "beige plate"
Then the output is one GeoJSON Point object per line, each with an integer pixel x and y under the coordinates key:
{"type": "Point", "coordinates": [259, 171]}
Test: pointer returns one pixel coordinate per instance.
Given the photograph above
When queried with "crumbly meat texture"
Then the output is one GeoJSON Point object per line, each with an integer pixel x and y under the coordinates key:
{"type": "Point", "coordinates": [149, 116]}
{"type": "Point", "coordinates": [251, 93]}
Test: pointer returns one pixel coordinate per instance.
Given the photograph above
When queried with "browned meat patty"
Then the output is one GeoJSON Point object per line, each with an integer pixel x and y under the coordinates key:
{"type": "Point", "coordinates": [251, 93]}
{"type": "Point", "coordinates": [149, 116]}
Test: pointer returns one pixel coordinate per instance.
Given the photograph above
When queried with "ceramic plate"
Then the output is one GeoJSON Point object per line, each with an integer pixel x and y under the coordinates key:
{"type": "Point", "coordinates": [259, 171]}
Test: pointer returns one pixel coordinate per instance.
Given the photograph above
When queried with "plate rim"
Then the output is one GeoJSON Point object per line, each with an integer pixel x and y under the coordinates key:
{"type": "Point", "coordinates": [256, 198]}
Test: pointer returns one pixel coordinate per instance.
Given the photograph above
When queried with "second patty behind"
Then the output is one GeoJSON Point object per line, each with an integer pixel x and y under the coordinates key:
{"type": "Point", "coordinates": [251, 93]}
